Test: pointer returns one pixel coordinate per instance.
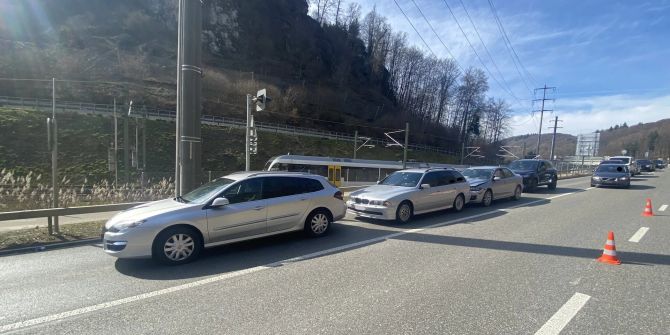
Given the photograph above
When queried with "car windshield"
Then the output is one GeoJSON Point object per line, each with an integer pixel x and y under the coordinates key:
{"type": "Point", "coordinates": [612, 168]}
{"type": "Point", "coordinates": [644, 161]}
{"type": "Point", "coordinates": [407, 179]}
{"type": "Point", "coordinates": [206, 191]}
{"type": "Point", "coordinates": [477, 173]}
{"type": "Point", "coordinates": [523, 165]}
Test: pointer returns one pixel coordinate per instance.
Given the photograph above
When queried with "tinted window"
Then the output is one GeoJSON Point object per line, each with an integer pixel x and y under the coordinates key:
{"type": "Point", "coordinates": [612, 168]}
{"type": "Point", "coordinates": [443, 178]}
{"type": "Point", "coordinates": [523, 165]}
{"type": "Point", "coordinates": [499, 173]}
{"type": "Point", "coordinates": [431, 178]}
{"type": "Point", "coordinates": [459, 177]}
{"type": "Point", "coordinates": [246, 190]}
{"type": "Point", "coordinates": [285, 186]}
{"type": "Point", "coordinates": [508, 173]}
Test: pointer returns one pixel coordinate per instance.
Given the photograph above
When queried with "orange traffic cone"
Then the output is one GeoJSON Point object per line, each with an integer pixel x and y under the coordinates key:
{"type": "Point", "coordinates": [647, 209]}
{"type": "Point", "coordinates": [609, 252]}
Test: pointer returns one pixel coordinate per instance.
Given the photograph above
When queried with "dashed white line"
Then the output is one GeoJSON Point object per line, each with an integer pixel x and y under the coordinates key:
{"type": "Point", "coordinates": [663, 208]}
{"type": "Point", "coordinates": [639, 234]}
{"type": "Point", "coordinates": [109, 304]}
{"type": "Point", "coordinates": [563, 316]}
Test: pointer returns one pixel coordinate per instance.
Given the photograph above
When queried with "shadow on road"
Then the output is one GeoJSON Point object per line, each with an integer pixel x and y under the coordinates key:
{"type": "Point", "coordinates": [558, 190]}
{"type": "Point", "coordinates": [279, 248]}
{"type": "Point", "coordinates": [641, 187]}
{"type": "Point", "coordinates": [626, 257]}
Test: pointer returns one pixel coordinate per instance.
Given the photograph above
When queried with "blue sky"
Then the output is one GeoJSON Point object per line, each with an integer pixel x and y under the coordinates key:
{"type": "Point", "coordinates": [608, 59]}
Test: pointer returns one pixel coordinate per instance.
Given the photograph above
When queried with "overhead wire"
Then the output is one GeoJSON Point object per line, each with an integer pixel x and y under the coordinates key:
{"type": "Point", "coordinates": [508, 42]}
{"type": "Point", "coordinates": [413, 27]}
{"type": "Point", "coordinates": [439, 38]}
{"type": "Point", "coordinates": [506, 89]}
{"type": "Point", "coordinates": [487, 49]}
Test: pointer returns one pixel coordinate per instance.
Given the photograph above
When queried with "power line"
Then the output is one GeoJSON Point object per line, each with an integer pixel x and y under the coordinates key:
{"type": "Point", "coordinates": [438, 37]}
{"type": "Point", "coordinates": [487, 49]}
{"type": "Point", "coordinates": [501, 27]}
{"type": "Point", "coordinates": [506, 89]}
{"type": "Point", "coordinates": [417, 32]}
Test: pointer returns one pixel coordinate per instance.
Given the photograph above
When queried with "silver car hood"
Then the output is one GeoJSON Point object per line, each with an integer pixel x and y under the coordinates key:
{"type": "Point", "coordinates": [147, 210]}
{"type": "Point", "coordinates": [477, 181]}
{"type": "Point", "coordinates": [382, 192]}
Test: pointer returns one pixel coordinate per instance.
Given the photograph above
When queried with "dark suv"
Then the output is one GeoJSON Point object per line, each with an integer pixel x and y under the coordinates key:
{"type": "Point", "coordinates": [535, 172]}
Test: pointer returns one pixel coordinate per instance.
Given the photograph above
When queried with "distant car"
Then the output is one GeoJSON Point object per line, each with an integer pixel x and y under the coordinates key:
{"type": "Point", "coordinates": [488, 183]}
{"type": "Point", "coordinates": [535, 172]}
{"type": "Point", "coordinates": [233, 208]}
{"type": "Point", "coordinates": [660, 164]}
{"type": "Point", "coordinates": [611, 175]}
{"type": "Point", "coordinates": [405, 193]}
{"type": "Point", "coordinates": [646, 165]}
{"type": "Point", "coordinates": [630, 162]}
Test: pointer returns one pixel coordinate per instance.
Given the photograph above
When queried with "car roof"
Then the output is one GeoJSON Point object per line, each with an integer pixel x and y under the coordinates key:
{"type": "Point", "coordinates": [485, 167]}
{"type": "Point", "coordinates": [248, 174]}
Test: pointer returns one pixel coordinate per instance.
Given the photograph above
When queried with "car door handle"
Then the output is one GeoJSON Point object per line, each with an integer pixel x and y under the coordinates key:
{"type": "Point", "coordinates": [258, 208]}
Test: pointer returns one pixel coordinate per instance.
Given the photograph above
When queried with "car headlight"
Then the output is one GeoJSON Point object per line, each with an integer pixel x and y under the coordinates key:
{"type": "Point", "coordinates": [623, 178]}
{"type": "Point", "coordinates": [126, 225]}
{"type": "Point", "coordinates": [596, 178]}
{"type": "Point", "coordinates": [475, 188]}
{"type": "Point", "coordinates": [386, 203]}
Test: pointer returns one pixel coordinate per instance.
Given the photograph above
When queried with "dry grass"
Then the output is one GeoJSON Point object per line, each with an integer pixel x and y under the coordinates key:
{"type": "Point", "coordinates": [39, 236]}
{"type": "Point", "coordinates": [31, 191]}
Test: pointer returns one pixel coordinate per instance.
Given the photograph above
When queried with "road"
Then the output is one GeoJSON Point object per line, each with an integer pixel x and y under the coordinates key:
{"type": "Point", "coordinates": [513, 268]}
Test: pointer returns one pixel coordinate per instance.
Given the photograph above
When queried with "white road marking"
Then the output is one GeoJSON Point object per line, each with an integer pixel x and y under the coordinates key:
{"type": "Point", "coordinates": [143, 296]}
{"type": "Point", "coordinates": [563, 316]}
{"type": "Point", "coordinates": [663, 208]}
{"type": "Point", "coordinates": [638, 235]}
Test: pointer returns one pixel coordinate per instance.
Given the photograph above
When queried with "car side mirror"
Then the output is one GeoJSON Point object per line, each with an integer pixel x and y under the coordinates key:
{"type": "Point", "coordinates": [220, 202]}
{"type": "Point", "coordinates": [379, 182]}
{"type": "Point", "coordinates": [496, 178]}
{"type": "Point", "coordinates": [425, 186]}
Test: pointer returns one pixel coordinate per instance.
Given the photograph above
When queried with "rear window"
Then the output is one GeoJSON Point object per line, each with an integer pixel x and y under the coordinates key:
{"type": "Point", "coordinates": [612, 168]}
{"type": "Point", "coordinates": [622, 159]}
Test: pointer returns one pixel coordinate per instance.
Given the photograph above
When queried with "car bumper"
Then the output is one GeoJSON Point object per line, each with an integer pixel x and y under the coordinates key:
{"type": "Point", "coordinates": [614, 183]}
{"type": "Point", "coordinates": [130, 243]}
{"type": "Point", "coordinates": [476, 196]}
{"type": "Point", "coordinates": [373, 212]}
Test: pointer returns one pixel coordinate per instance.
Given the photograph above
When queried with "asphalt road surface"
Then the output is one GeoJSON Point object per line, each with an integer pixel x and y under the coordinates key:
{"type": "Point", "coordinates": [521, 267]}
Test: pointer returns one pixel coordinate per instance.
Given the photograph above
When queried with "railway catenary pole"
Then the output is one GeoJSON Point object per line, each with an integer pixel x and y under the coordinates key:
{"type": "Point", "coordinates": [189, 91]}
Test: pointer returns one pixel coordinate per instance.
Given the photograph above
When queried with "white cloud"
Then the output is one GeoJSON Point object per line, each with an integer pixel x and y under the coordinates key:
{"type": "Point", "coordinates": [588, 114]}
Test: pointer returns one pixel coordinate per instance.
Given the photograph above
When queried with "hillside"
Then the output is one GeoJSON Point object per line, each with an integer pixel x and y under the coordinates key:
{"type": "Point", "coordinates": [86, 141]}
{"type": "Point", "coordinates": [653, 137]}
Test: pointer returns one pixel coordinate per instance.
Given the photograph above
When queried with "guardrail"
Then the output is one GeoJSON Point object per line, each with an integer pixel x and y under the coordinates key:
{"type": "Point", "coordinates": [153, 113]}
{"type": "Point", "coordinates": [51, 213]}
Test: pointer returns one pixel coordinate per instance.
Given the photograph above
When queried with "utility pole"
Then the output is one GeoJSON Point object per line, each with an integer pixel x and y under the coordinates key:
{"type": "Point", "coordinates": [116, 148]}
{"type": "Point", "coordinates": [523, 152]}
{"type": "Point", "coordinates": [404, 154]}
{"type": "Point", "coordinates": [189, 90]}
{"type": "Point", "coordinates": [126, 148]}
{"type": "Point", "coordinates": [542, 110]}
{"type": "Point", "coordinates": [247, 149]}
{"type": "Point", "coordinates": [553, 137]}
{"type": "Point", "coordinates": [355, 143]}
{"type": "Point", "coordinates": [54, 154]}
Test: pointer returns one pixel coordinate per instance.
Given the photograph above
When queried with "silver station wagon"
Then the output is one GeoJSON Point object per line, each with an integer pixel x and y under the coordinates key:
{"type": "Point", "coordinates": [233, 208]}
{"type": "Point", "coordinates": [405, 193]}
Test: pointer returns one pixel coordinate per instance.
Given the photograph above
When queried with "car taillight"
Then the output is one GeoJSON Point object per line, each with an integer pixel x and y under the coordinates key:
{"type": "Point", "coordinates": [339, 195]}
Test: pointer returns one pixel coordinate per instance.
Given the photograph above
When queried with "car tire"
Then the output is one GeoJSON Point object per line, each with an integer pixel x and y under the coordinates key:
{"type": "Point", "coordinates": [517, 193]}
{"type": "Point", "coordinates": [554, 182]}
{"type": "Point", "coordinates": [459, 203]}
{"type": "Point", "coordinates": [318, 223]}
{"type": "Point", "coordinates": [487, 199]}
{"type": "Point", "coordinates": [177, 245]}
{"type": "Point", "coordinates": [404, 212]}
